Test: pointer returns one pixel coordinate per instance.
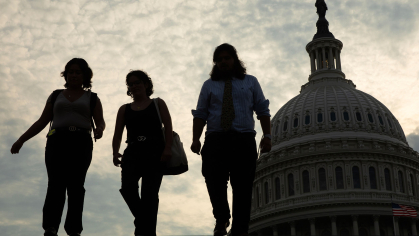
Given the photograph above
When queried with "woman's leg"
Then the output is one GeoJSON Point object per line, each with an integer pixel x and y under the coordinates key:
{"type": "Point", "coordinates": [150, 187]}
{"type": "Point", "coordinates": [129, 191]}
{"type": "Point", "coordinates": [55, 198]}
{"type": "Point", "coordinates": [77, 164]}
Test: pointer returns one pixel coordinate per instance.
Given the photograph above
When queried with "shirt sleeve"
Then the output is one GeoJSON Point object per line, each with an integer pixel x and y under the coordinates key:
{"type": "Point", "coordinates": [203, 104]}
{"type": "Point", "coordinates": [260, 104]}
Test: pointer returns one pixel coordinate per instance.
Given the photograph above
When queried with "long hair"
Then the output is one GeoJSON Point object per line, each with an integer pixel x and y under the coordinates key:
{"type": "Point", "coordinates": [85, 70]}
{"type": "Point", "coordinates": [143, 76]}
{"type": "Point", "coordinates": [239, 70]}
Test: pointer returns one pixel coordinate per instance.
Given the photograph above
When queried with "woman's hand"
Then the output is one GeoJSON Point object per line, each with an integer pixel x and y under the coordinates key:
{"type": "Point", "coordinates": [16, 147]}
{"type": "Point", "coordinates": [166, 155]}
{"type": "Point", "coordinates": [116, 160]}
{"type": "Point", "coordinates": [98, 132]}
{"type": "Point", "coordinates": [196, 147]}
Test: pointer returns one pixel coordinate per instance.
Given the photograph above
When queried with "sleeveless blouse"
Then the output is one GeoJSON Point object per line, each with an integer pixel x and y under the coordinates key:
{"type": "Point", "coordinates": [68, 113]}
{"type": "Point", "coordinates": [143, 155]}
{"type": "Point", "coordinates": [143, 123]}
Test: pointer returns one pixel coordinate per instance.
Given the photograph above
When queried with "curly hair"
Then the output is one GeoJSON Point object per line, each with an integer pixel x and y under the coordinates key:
{"type": "Point", "coordinates": [239, 70]}
{"type": "Point", "coordinates": [85, 69]}
{"type": "Point", "coordinates": [141, 75]}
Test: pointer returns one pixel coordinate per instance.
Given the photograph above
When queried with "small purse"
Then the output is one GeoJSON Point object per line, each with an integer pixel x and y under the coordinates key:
{"type": "Point", "coordinates": [178, 164]}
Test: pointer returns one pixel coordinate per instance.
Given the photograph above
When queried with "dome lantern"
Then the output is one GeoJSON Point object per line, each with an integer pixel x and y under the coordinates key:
{"type": "Point", "coordinates": [324, 50]}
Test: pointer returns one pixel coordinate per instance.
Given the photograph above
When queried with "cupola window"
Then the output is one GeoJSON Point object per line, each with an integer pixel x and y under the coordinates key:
{"type": "Point", "coordinates": [307, 120]}
{"type": "Point", "coordinates": [296, 122]}
{"type": "Point", "coordinates": [290, 185]}
{"type": "Point", "coordinates": [387, 178]}
{"type": "Point", "coordinates": [339, 177]}
{"type": "Point", "coordinates": [358, 116]}
{"type": "Point", "coordinates": [370, 118]}
{"type": "Point", "coordinates": [346, 116]}
{"type": "Point", "coordinates": [285, 125]}
{"type": "Point", "coordinates": [277, 128]}
{"type": "Point", "coordinates": [411, 184]}
{"type": "Point", "coordinates": [322, 179]}
{"type": "Point", "coordinates": [306, 181]}
{"type": "Point", "coordinates": [277, 189]}
{"type": "Point", "coordinates": [381, 120]}
{"type": "Point", "coordinates": [400, 175]}
{"type": "Point", "coordinates": [320, 117]}
{"type": "Point", "coordinates": [266, 193]}
{"type": "Point", "coordinates": [373, 178]}
{"type": "Point", "coordinates": [332, 116]}
{"type": "Point", "coordinates": [355, 176]}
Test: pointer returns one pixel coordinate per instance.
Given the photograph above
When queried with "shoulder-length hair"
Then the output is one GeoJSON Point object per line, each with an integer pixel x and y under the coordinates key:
{"type": "Point", "coordinates": [239, 70]}
{"type": "Point", "coordinates": [141, 75]}
{"type": "Point", "coordinates": [85, 70]}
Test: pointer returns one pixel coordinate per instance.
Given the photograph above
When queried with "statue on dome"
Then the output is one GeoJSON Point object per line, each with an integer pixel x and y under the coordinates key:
{"type": "Point", "coordinates": [322, 24]}
{"type": "Point", "coordinates": [321, 8]}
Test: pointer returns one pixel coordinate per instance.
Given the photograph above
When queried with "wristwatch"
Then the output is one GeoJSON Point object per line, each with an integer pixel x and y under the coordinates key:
{"type": "Point", "coordinates": [267, 136]}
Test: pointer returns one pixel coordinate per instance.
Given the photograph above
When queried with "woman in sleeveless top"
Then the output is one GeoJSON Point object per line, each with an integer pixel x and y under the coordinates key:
{"type": "Point", "coordinates": [146, 153]}
{"type": "Point", "coordinates": [68, 152]}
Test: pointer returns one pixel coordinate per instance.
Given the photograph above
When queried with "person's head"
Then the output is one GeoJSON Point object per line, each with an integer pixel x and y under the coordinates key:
{"type": "Point", "coordinates": [138, 83]}
{"type": "Point", "coordinates": [77, 73]}
{"type": "Point", "coordinates": [227, 63]}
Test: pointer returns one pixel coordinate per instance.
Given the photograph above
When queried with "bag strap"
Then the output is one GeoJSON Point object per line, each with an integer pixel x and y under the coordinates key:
{"type": "Point", "coordinates": [156, 102]}
{"type": "Point", "coordinates": [53, 99]}
{"type": "Point", "coordinates": [93, 99]}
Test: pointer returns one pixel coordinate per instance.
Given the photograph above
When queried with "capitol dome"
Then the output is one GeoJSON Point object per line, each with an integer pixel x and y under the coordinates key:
{"type": "Point", "coordinates": [339, 158]}
{"type": "Point", "coordinates": [331, 107]}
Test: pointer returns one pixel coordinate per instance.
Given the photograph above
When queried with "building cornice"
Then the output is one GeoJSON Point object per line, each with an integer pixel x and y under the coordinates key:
{"type": "Point", "coordinates": [343, 149]}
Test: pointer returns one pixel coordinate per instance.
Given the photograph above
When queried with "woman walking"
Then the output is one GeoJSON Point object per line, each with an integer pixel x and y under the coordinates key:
{"type": "Point", "coordinates": [69, 146]}
{"type": "Point", "coordinates": [146, 153]}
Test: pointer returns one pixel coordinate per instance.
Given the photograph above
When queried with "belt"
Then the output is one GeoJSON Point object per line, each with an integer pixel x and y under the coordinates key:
{"type": "Point", "coordinates": [69, 129]}
{"type": "Point", "coordinates": [140, 139]}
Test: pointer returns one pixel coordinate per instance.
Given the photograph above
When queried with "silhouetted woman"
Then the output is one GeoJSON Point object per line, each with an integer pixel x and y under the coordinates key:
{"type": "Point", "coordinates": [146, 153]}
{"type": "Point", "coordinates": [69, 145]}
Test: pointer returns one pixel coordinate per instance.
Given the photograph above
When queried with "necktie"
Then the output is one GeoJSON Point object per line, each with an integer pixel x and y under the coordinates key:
{"type": "Point", "coordinates": [227, 112]}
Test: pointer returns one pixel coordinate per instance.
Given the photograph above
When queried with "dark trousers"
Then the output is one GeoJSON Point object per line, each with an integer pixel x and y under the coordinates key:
{"type": "Point", "coordinates": [67, 159]}
{"type": "Point", "coordinates": [144, 166]}
{"type": "Point", "coordinates": [224, 156]}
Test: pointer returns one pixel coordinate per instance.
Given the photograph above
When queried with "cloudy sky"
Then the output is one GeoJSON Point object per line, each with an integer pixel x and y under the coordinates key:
{"type": "Point", "coordinates": [173, 42]}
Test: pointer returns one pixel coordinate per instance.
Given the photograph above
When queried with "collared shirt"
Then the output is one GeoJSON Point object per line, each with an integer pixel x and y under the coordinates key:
{"type": "Point", "coordinates": [247, 97]}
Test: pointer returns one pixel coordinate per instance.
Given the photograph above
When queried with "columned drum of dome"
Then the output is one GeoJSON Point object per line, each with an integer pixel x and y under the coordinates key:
{"type": "Point", "coordinates": [325, 58]}
{"type": "Point", "coordinates": [339, 157]}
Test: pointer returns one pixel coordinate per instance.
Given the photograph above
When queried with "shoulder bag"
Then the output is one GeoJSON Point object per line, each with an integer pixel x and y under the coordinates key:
{"type": "Point", "coordinates": [178, 164]}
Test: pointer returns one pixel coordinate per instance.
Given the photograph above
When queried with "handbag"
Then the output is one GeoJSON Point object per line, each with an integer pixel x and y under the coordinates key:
{"type": "Point", "coordinates": [178, 164]}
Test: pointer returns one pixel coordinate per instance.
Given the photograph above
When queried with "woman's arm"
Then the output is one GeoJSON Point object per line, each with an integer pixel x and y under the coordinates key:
{"type": "Point", "coordinates": [167, 122]}
{"type": "Point", "coordinates": [99, 121]}
{"type": "Point", "coordinates": [117, 136]}
{"type": "Point", "coordinates": [37, 127]}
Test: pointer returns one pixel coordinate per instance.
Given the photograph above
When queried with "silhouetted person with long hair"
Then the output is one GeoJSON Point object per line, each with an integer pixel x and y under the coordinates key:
{"type": "Point", "coordinates": [68, 152]}
{"type": "Point", "coordinates": [226, 105]}
{"type": "Point", "coordinates": [146, 153]}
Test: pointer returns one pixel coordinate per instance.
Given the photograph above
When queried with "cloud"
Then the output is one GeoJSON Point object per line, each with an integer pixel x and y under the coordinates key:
{"type": "Point", "coordinates": [413, 139]}
{"type": "Point", "coordinates": [173, 42]}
